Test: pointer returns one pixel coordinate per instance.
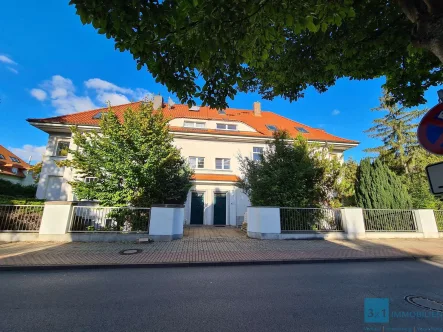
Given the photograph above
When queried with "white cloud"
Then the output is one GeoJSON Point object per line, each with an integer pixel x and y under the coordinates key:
{"type": "Point", "coordinates": [27, 150]}
{"type": "Point", "coordinates": [335, 112]}
{"type": "Point", "coordinates": [12, 70]}
{"type": "Point", "coordinates": [65, 100]}
{"type": "Point", "coordinates": [116, 95]}
{"type": "Point", "coordinates": [113, 98]}
{"type": "Point", "coordinates": [63, 97]}
{"type": "Point", "coordinates": [38, 94]}
{"type": "Point", "coordinates": [101, 85]}
{"type": "Point", "coordinates": [7, 60]}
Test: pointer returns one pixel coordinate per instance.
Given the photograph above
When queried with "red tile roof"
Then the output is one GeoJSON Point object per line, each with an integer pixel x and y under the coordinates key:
{"type": "Point", "coordinates": [7, 163]}
{"type": "Point", "coordinates": [215, 177]}
{"type": "Point", "coordinates": [206, 113]}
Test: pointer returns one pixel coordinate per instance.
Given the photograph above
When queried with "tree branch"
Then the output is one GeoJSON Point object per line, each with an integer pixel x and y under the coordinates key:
{"type": "Point", "coordinates": [435, 7]}
{"type": "Point", "coordinates": [409, 8]}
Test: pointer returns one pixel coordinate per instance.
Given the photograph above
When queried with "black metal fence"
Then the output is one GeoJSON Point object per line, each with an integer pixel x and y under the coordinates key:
{"type": "Point", "coordinates": [22, 218]}
{"type": "Point", "coordinates": [310, 219]}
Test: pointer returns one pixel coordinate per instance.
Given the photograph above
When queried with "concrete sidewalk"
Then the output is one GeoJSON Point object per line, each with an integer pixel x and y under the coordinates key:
{"type": "Point", "coordinates": [203, 250]}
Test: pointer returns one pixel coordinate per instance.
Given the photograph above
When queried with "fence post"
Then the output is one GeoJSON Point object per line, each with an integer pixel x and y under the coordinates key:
{"type": "Point", "coordinates": [56, 217]}
{"type": "Point", "coordinates": [166, 222]}
{"type": "Point", "coordinates": [426, 223]}
{"type": "Point", "coordinates": [263, 222]}
{"type": "Point", "coordinates": [353, 222]}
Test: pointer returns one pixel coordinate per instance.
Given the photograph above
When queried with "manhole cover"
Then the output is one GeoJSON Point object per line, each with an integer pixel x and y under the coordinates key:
{"type": "Point", "coordinates": [130, 251]}
{"type": "Point", "coordinates": [425, 303]}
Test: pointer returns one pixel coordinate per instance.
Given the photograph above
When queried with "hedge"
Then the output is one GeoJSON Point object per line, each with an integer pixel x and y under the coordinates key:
{"type": "Point", "coordinates": [11, 200]}
{"type": "Point", "coordinates": [16, 190]}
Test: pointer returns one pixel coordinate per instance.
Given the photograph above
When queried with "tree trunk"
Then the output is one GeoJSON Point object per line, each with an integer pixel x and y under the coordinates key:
{"type": "Point", "coordinates": [427, 15]}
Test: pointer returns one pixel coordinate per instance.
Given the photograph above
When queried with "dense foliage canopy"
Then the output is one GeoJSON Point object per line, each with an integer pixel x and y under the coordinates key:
{"type": "Point", "coordinates": [129, 162]}
{"type": "Point", "coordinates": [291, 173]}
{"type": "Point", "coordinates": [210, 49]}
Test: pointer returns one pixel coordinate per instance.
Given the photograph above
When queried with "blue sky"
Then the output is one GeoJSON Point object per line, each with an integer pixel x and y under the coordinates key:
{"type": "Point", "coordinates": [51, 64]}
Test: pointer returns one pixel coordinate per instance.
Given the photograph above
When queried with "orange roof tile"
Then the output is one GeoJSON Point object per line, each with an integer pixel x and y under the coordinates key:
{"type": "Point", "coordinates": [7, 163]}
{"type": "Point", "coordinates": [215, 177]}
{"type": "Point", "coordinates": [206, 113]}
{"type": "Point", "coordinates": [7, 155]}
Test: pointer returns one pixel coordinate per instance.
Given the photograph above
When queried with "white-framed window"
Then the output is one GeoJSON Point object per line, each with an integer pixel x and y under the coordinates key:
{"type": "Point", "coordinates": [271, 127]}
{"type": "Point", "coordinates": [222, 163]}
{"type": "Point", "coordinates": [197, 162]}
{"type": "Point", "coordinates": [14, 159]}
{"type": "Point", "coordinates": [193, 124]}
{"type": "Point", "coordinates": [62, 149]}
{"type": "Point", "coordinates": [226, 126]}
{"type": "Point", "coordinates": [256, 153]}
{"type": "Point", "coordinates": [14, 170]}
{"type": "Point", "coordinates": [90, 179]}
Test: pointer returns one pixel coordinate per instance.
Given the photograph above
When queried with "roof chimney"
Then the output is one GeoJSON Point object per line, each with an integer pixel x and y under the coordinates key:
{"type": "Point", "coordinates": [257, 108]}
{"type": "Point", "coordinates": [158, 102]}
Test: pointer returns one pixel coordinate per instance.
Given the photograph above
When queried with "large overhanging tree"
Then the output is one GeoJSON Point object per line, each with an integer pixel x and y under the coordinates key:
{"type": "Point", "coordinates": [210, 49]}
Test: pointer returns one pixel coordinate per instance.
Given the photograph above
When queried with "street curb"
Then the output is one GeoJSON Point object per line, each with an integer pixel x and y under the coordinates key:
{"type": "Point", "coordinates": [205, 264]}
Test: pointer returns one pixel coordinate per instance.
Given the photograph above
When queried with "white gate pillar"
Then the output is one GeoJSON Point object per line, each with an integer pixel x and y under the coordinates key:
{"type": "Point", "coordinates": [166, 222]}
{"type": "Point", "coordinates": [353, 222]}
{"type": "Point", "coordinates": [426, 223]}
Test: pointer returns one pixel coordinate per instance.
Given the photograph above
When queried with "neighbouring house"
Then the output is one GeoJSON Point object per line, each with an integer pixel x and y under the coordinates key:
{"type": "Point", "coordinates": [210, 139]}
{"type": "Point", "coordinates": [14, 169]}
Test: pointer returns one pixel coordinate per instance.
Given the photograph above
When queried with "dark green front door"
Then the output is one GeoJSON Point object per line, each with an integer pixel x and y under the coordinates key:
{"type": "Point", "coordinates": [219, 209]}
{"type": "Point", "coordinates": [197, 208]}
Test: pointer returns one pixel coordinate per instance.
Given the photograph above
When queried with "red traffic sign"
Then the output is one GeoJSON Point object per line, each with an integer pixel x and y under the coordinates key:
{"type": "Point", "coordinates": [430, 130]}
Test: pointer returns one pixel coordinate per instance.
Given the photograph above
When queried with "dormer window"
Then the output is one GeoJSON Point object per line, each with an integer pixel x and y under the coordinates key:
{"type": "Point", "coordinates": [271, 127]}
{"type": "Point", "coordinates": [193, 124]}
{"type": "Point", "coordinates": [16, 160]}
{"type": "Point", "coordinates": [225, 126]}
{"type": "Point", "coordinates": [99, 115]}
{"type": "Point", "coordinates": [302, 130]}
{"type": "Point", "coordinates": [2, 156]}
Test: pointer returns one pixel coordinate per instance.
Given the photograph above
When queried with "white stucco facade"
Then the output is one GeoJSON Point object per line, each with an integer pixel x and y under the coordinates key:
{"type": "Point", "coordinates": [53, 184]}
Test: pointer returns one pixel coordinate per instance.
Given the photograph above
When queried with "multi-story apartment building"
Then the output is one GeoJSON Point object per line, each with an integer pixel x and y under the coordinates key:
{"type": "Point", "coordinates": [210, 139]}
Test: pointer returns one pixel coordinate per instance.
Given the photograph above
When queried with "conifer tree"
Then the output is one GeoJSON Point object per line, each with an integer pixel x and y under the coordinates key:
{"type": "Point", "coordinates": [397, 130]}
{"type": "Point", "coordinates": [377, 187]}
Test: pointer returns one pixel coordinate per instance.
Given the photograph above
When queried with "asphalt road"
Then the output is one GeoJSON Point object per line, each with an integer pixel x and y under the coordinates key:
{"type": "Point", "coordinates": [308, 297]}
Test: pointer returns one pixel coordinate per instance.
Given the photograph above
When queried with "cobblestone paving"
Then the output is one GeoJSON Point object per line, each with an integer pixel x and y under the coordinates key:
{"type": "Point", "coordinates": [211, 245]}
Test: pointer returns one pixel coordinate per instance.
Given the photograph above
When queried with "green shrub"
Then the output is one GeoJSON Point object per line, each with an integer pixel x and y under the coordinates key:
{"type": "Point", "coordinates": [11, 200]}
{"type": "Point", "coordinates": [17, 190]}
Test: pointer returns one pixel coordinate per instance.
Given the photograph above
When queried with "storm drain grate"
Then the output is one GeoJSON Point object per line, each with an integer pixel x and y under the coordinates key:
{"type": "Point", "coordinates": [130, 251]}
{"type": "Point", "coordinates": [424, 303]}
